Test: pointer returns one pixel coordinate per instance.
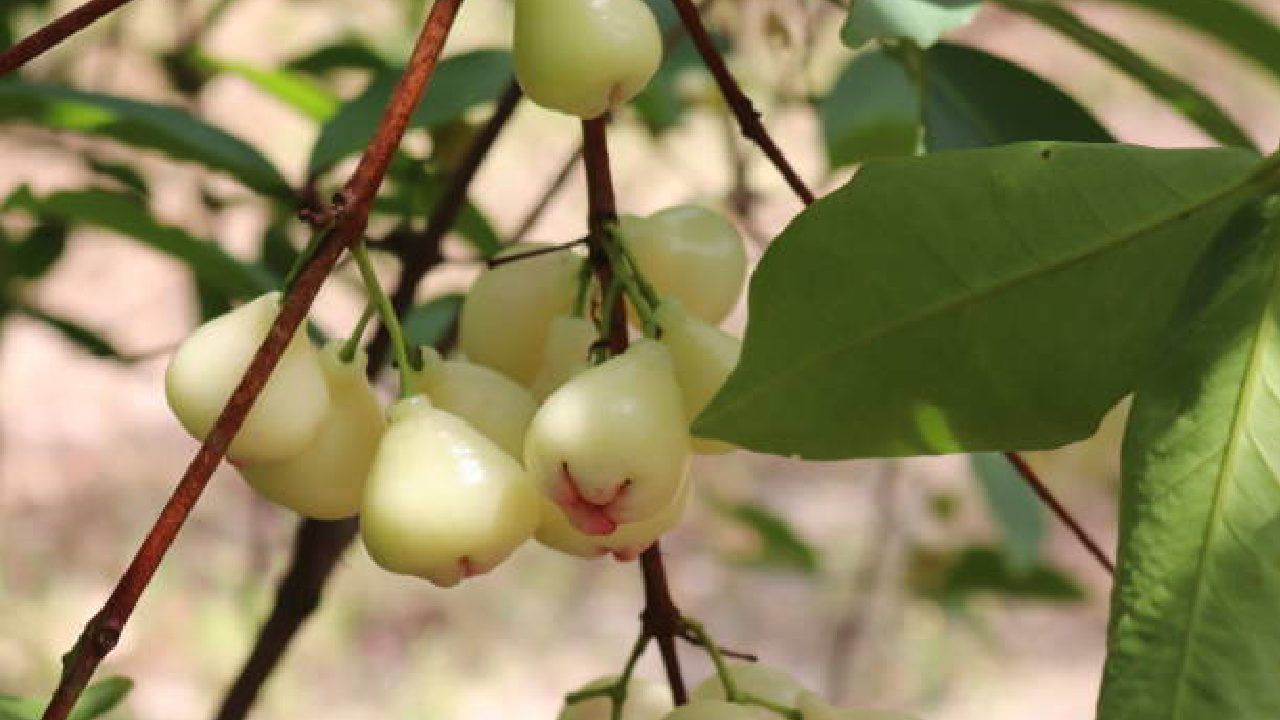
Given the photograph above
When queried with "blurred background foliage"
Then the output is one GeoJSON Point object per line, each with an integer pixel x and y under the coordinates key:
{"type": "Point", "coordinates": [150, 176]}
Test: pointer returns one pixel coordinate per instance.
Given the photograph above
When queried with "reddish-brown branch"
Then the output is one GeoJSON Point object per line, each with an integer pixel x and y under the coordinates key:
{"type": "Point", "coordinates": [51, 35]}
{"type": "Point", "coordinates": [1042, 491]}
{"type": "Point", "coordinates": [103, 630]}
{"type": "Point", "coordinates": [661, 618]}
{"type": "Point", "coordinates": [319, 545]}
{"type": "Point", "coordinates": [743, 109]}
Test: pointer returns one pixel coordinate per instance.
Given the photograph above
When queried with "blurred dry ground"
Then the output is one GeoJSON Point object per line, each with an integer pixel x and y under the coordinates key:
{"type": "Point", "coordinates": [88, 451]}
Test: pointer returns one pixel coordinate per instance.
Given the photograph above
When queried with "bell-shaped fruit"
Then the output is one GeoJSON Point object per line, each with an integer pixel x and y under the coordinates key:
{"type": "Point", "coordinates": [611, 446]}
{"type": "Point", "coordinates": [569, 341]}
{"type": "Point", "coordinates": [720, 710]}
{"type": "Point", "coordinates": [489, 401]}
{"type": "Point", "coordinates": [756, 679]}
{"type": "Point", "coordinates": [506, 314]}
{"type": "Point", "coordinates": [692, 254]}
{"type": "Point", "coordinates": [209, 365]}
{"type": "Point", "coordinates": [443, 502]}
{"type": "Point", "coordinates": [646, 700]}
{"type": "Point", "coordinates": [703, 356]}
{"type": "Point", "coordinates": [585, 57]}
{"type": "Point", "coordinates": [625, 543]}
{"type": "Point", "coordinates": [326, 480]}
{"type": "Point", "coordinates": [813, 707]}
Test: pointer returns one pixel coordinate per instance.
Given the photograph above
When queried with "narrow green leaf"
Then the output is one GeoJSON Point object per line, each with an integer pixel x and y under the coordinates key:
{"type": "Point", "coordinates": [429, 324]}
{"type": "Point", "coordinates": [779, 546]}
{"type": "Point", "coordinates": [88, 340]}
{"type": "Point", "coordinates": [101, 698]}
{"type": "Point", "coordinates": [922, 21]}
{"type": "Point", "coordinates": [971, 300]}
{"type": "Point", "coordinates": [157, 127]}
{"type": "Point", "coordinates": [346, 55]}
{"type": "Point", "coordinates": [978, 100]}
{"type": "Point", "coordinates": [297, 91]}
{"type": "Point", "coordinates": [124, 175]}
{"type": "Point", "coordinates": [1015, 508]}
{"type": "Point", "coordinates": [872, 111]}
{"type": "Point", "coordinates": [956, 577]}
{"type": "Point", "coordinates": [1193, 630]}
{"type": "Point", "coordinates": [39, 251]}
{"type": "Point", "coordinates": [1180, 95]}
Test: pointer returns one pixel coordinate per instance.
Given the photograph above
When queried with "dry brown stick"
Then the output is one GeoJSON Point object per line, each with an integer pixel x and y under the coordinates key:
{"type": "Point", "coordinates": [319, 545]}
{"type": "Point", "coordinates": [103, 630]}
{"type": "Point", "coordinates": [1046, 496]}
{"type": "Point", "coordinates": [661, 618]}
{"type": "Point", "coordinates": [51, 35]}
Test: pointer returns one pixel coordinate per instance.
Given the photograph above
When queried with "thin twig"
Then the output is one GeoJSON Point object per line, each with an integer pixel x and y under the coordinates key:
{"type": "Point", "coordinates": [51, 35]}
{"type": "Point", "coordinates": [318, 545]}
{"type": "Point", "coordinates": [540, 208]}
{"type": "Point", "coordinates": [1042, 491]}
{"type": "Point", "coordinates": [103, 630]}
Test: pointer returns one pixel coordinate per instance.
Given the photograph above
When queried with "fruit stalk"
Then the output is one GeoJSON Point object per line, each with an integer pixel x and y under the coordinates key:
{"type": "Point", "coordinates": [102, 632]}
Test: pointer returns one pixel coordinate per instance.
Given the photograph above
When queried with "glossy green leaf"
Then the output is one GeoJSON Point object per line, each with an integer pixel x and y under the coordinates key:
{"type": "Point", "coordinates": [972, 300]}
{"type": "Point", "coordinates": [972, 572]}
{"type": "Point", "coordinates": [429, 324]}
{"type": "Point", "coordinates": [778, 547]}
{"type": "Point", "coordinates": [1193, 630]}
{"type": "Point", "coordinates": [872, 111]}
{"type": "Point", "coordinates": [170, 130]}
{"type": "Point", "coordinates": [460, 83]}
{"type": "Point", "coordinates": [922, 21]}
{"type": "Point", "coordinates": [1014, 507]}
{"type": "Point", "coordinates": [979, 100]}
{"type": "Point", "coordinates": [292, 88]}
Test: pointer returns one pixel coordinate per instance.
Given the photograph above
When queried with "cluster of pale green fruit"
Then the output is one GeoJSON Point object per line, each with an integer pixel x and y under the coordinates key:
{"type": "Point", "coordinates": [518, 436]}
{"type": "Point", "coordinates": [764, 693]}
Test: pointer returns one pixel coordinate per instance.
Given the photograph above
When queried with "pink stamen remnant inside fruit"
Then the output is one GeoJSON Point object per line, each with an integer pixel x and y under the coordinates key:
{"type": "Point", "coordinates": [468, 569]}
{"type": "Point", "coordinates": [592, 518]}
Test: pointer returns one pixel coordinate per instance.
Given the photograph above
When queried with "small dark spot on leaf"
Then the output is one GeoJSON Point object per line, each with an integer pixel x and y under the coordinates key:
{"type": "Point", "coordinates": [1046, 153]}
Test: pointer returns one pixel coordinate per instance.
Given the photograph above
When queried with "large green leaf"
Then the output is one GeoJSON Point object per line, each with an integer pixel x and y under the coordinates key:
{"type": "Point", "coordinates": [157, 127]}
{"type": "Point", "coordinates": [872, 111]}
{"type": "Point", "coordinates": [1193, 630]}
{"type": "Point", "coordinates": [460, 83]}
{"type": "Point", "coordinates": [126, 215]}
{"type": "Point", "coordinates": [971, 300]}
{"type": "Point", "coordinates": [921, 21]}
{"type": "Point", "coordinates": [978, 100]}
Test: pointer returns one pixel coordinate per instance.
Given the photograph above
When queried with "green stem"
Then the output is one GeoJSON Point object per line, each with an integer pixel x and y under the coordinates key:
{"type": "Point", "coordinates": [584, 290]}
{"type": "Point", "coordinates": [352, 346]}
{"type": "Point", "coordinates": [386, 313]}
{"type": "Point", "coordinates": [304, 258]}
{"type": "Point", "coordinates": [699, 632]}
{"type": "Point", "coordinates": [616, 691]}
{"type": "Point", "coordinates": [642, 295]}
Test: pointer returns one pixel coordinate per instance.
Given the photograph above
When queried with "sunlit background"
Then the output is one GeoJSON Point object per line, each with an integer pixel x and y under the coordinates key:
{"type": "Point", "coordinates": [839, 572]}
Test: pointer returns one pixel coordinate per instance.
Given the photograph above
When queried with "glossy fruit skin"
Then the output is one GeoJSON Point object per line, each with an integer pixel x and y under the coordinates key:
{"type": "Point", "coordinates": [611, 446]}
{"type": "Point", "coordinates": [443, 502]}
{"type": "Point", "coordinates": [625, 543]}
{"type": "Point", "coordinates": [326, 480]}
{"type": "Point", "coordinates": [209, 365]}
{"type": "Point", "coordinates": [757, 679]}
{"type": "Point", "coordinates": [692, 254]}
{"type": "Point", "coordinates": [489, 401]}
{"type": "Point", "coordinates": [507, 313]}
{"type": "Point", "coordinates": [569, 341]}
{"type": "Point", "coordinates": [585, 57]}
{"type": "Point", "coordinates": [812, 707]}
{"type": "Point", "coordinates": [646, 700]}
{"type": "Point", "coordinates": [720, 710]}
{"type": "Point", "coordinates": [703, 356]}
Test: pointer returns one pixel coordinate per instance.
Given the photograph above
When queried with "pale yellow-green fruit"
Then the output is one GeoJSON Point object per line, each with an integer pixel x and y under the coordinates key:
{"type": "Point", "coordinates": [813, 707]}
{"type": "Point", "coordinates": [209, 365]}
{"type": "Point", "coordinates": [625, 543]}
{"type": "Point", "coordinates": [611, 446]}
{"type": "Point", "coordinates": [692, 254]}
{"type": "Point", "coordinates": [569, 341]}
{"type": "Point", "coordinates": [646, 700]}
{"type": "Point", "coordinates": [720, 710]}
{"type": "Point", "coordinates": [326, 480]}
{"type": "Point", "coordinates": [759, 680]}
{"type": "Point", "coordinates": [703, 356]}
{"type": "Point", "coordinates": [443, 502]}
{"type": "Point", "coordinates": [497, 406]}
{"type": "Point", "coordinates": [507, 313]}
{"type": "Point", "coordinates": [585, 57]}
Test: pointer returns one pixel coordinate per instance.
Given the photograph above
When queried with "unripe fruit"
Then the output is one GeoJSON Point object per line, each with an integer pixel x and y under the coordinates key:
{"type": "Point", "coordinates": [569, 341]}
{"type": "Point", "coordinates": [585, 57]}
{"type": "Point", "coordinates": [505, 317]}
{"type": "Point", "coordinates": [756, 679]}
{"type": "Point", "coordinates": [703, 356]}
{"type": "Point", "coordinates": [443, 502]}
{"type": "Point", "coordinates": [692, 254]}
{"type": "Point", "coordinates": [209, 365]}
{"type": "Point", "coordinates": [813, 707]}
{"type": "Point", "coordinates": [489, 401]}
{"type": "Point", "coordinates": [646, 700]}
{"type": "Point", "coordinates": [625, 543]}
{"type": "Point", "coordinates": [611, 446]}
{"type": "Point", "coordinates": [720, 710]}
{"type": "Point", "coordinates": [326, 480]}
